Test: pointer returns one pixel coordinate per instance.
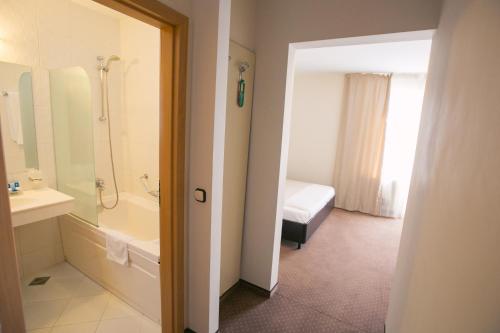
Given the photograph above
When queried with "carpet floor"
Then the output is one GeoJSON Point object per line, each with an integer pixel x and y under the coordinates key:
{"type": "Point", "coordinates": [338, 282]}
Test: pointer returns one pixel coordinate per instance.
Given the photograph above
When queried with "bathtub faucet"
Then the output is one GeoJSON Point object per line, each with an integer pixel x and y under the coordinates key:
{"type": "Point", "coordinates": [99, 184]}
{"type": "Point", "coordinates": [144, 180]}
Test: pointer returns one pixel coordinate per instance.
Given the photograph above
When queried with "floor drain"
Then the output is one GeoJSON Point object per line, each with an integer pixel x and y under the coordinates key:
{"type": "Point", "coordinates": [38, 281]}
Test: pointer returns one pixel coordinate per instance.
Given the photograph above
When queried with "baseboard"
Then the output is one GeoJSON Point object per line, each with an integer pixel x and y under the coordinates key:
{"type": "Point", "coordinates": [188, 330]}
{"type": "Point", "coordinates": [230, 291]}
{"type": "Point", "coordinates": [259, 290]}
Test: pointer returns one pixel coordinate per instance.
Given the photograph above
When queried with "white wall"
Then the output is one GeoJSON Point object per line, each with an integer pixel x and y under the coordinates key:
{"type": "Point", "coordinates": [243, 22]}
{"type": "Point", "coordinates": [316, 109]}
{"type": "Point", "coordinates": [208, 114]}
{"type": "Point", "coordinates": [281, 22]}
{"type": "Point", "coordinates": [448, 272]}
{"type": "Point", "coordinates": [38, 246]}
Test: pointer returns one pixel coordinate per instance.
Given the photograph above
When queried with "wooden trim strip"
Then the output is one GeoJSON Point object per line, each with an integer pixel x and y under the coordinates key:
{"type": "Point", "coordinates": [11, 306]}
{"type": "Point", "coordinates": [173, 86]}
{"type": "Point", "coordinates": [150, 11]}
{"type": "Point", "coordinates": [258, 290]}
{"type": "Point", "coordinates": [179, 142]}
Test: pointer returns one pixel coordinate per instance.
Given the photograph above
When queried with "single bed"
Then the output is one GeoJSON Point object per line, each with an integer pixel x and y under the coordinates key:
{"type": "Point", "coordinates": [306, 207]}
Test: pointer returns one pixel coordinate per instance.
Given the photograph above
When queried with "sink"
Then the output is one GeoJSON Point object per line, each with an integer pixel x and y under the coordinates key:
{"type": "Point", "coordinates": [35, 205]}
{"type": "Point", "coordinates": [18, 201]}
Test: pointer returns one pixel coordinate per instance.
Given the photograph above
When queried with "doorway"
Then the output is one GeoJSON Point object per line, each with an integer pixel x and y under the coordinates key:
{"type": "Point", "coordinates": [355, 112]}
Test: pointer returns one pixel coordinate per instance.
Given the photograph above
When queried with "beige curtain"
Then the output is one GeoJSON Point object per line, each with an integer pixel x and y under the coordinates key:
{"type": "Point", "coordinates": [358, 165]}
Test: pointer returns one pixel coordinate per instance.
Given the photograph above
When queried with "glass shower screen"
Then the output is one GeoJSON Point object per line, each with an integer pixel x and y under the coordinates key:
{"type": "Point", "coordinates": [73, 139]}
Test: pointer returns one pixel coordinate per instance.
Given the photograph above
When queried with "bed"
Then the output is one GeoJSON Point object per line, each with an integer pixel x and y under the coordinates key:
{"type": "Point", "coordinates": [306, 207]}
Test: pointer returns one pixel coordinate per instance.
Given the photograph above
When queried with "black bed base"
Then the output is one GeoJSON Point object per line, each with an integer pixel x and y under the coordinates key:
{"type": "Point", "coordinates": [301, 232]}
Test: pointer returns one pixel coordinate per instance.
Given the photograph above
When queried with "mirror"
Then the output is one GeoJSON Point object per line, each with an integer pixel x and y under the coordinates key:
{"type": "Point", "coordinates": [17, 118]}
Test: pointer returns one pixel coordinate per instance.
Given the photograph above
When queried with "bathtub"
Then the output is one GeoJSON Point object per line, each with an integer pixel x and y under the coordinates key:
{"type": "Point", "coordinates": [138, 283]}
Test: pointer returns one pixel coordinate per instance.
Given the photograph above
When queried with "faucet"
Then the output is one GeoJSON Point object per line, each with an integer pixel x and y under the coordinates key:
{"type": "Point", "coordinates": [144, 180]}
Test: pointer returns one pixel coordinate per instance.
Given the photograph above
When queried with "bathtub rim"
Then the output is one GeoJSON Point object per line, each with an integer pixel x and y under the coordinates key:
{"type": "Point", "coordinates": [131, 197]}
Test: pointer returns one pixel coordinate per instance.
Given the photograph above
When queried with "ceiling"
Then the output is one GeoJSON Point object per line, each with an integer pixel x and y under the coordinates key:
{"type": "Point", "coordinates": [393, 57]}
{"type": "Point", "coordinates": [100, 8]}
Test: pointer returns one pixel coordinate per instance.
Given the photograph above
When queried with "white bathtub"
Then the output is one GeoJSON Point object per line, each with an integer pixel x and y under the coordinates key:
{"type": "Point", "coordinates": [138, 283]}
{"type": "Point", "coordinates": [137, 217]}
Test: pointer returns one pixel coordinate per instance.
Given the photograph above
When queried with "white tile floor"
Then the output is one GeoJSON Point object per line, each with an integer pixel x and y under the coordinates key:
{"type": "Point", "coordinates": [72, 303]}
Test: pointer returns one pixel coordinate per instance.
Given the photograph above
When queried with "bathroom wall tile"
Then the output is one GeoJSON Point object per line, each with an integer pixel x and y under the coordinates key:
{"type": "Point", "coordinates": [58, 253]}
{"type": "Point", "coordinates": [43, 118]}
{"type": "Point", "coordinates": [17, 242]}
{"type": "Point", "coordinates": [41, 87]}
{"type": "Point", "coordinates": [38, 246]}
{"type": "Point", "coordinates": [55, 51]}
{"type": "Point", "coordinates": [125, 165]}
{"type": "Point", "coordinates": [18, 33]}
{"type": "Point", "coordinates": [40, 259]}
{"type": "Point", "coordinates": [46, 160]}
{"type": "Point", "coordinates": [40, 234]}
{"type": "Point", "coordinates": [14, 163]}
{"type": "Point", "coordinates": [53, 17]}
{"type": "Point", "coordinates": [141, 102]}
{"type": "Point", "coordinates": [145, 160]}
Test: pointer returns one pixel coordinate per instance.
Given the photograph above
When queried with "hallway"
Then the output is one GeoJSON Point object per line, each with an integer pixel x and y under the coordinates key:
{"type": "Point", "coordinates": [338, 282]}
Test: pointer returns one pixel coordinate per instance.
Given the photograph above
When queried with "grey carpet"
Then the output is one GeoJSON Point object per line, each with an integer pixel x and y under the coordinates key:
{"type": "Point", "coordinates": [338, 282]}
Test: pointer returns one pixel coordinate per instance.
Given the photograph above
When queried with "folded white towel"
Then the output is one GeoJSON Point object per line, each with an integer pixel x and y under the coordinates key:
{"type": "Point", "coordinates": [117, 246]}
{"type": "Point", "coordinates": [13, 111]}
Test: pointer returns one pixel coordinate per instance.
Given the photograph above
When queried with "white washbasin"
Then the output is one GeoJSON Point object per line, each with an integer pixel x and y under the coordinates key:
{"type": "Point", "coordinates": [35, 205]}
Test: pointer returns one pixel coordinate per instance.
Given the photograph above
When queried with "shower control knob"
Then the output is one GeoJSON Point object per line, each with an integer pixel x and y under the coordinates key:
{"type": "Point", "coordinates": [99, 183]}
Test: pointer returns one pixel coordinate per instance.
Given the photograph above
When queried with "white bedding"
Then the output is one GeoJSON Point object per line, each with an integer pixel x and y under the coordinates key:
{"type": "Point", "coordinates": [304, 200]}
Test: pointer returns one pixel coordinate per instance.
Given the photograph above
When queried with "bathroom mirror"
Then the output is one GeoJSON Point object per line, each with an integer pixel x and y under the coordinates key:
{"type": "Point", "coordinates": [17, 118]}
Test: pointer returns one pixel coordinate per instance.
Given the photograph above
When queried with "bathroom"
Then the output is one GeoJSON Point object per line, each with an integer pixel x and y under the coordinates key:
{"type": "Point", "coordinates": [79, 109]}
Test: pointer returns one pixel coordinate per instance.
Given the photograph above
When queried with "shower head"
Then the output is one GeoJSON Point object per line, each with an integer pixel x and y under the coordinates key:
{"type": "Point", "coordinates": [103, 67]}
{"type": "Point", "coordinates": [110, 59]}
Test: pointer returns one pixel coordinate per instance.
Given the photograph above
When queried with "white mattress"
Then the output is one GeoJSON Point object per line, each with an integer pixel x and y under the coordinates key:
{"type": "Point", "coordinates": [304, 200]}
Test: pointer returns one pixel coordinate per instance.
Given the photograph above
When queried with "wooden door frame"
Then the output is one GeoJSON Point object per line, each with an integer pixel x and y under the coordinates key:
{"type": "Point", "coordinates": [173, 84]}
{"type": "Point", "coordinates": [11, 305]}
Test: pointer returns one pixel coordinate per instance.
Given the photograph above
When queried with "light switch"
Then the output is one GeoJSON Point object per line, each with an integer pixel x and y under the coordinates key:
{"type": "Point", "coordinates": [200, 195]}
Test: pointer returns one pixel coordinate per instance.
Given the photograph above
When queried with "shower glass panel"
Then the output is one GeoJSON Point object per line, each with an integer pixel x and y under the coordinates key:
{"type": "Point", "coordinates": [73, 139]}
